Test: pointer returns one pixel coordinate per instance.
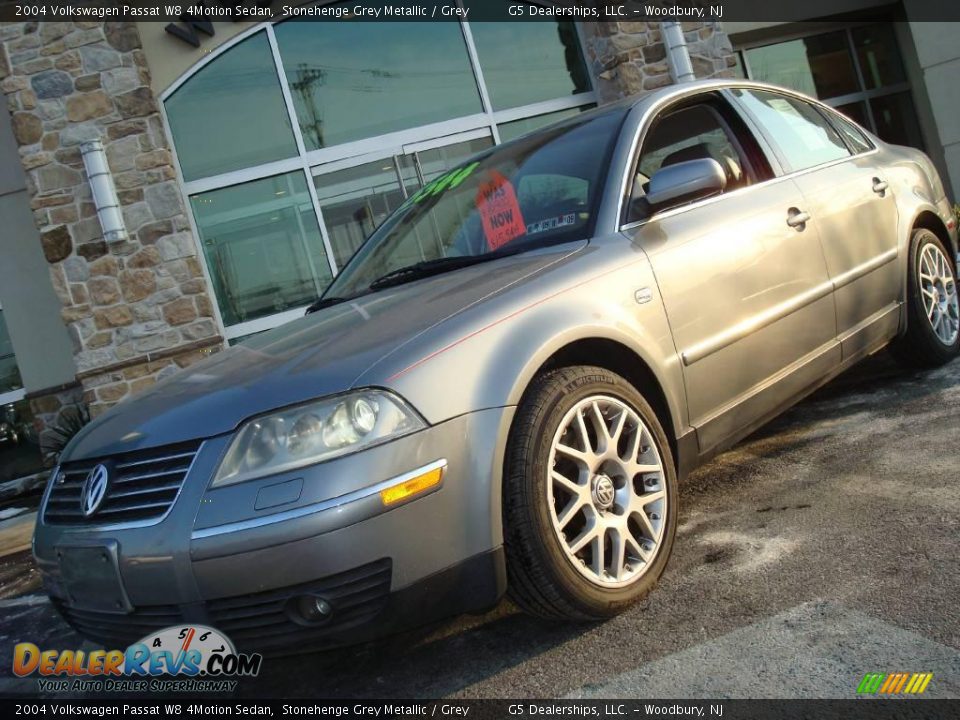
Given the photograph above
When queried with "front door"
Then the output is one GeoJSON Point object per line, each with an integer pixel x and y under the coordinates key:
{"type": "Point", "coordinates": [747, 295]}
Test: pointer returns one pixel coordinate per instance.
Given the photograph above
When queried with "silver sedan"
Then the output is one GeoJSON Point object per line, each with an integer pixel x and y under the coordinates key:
{"type": "Point", "coordinates": [501, 390]}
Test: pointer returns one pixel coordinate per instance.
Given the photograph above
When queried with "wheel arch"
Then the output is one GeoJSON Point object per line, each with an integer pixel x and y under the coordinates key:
{"type": "Point", "coordinates": [929, 220]}
{"type": "Point", "coordinates": [619, 358]}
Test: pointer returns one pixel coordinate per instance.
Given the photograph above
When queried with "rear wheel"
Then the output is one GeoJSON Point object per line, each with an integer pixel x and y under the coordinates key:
{"type": "Point", "coordinates": [590, 496]}
{"type": "Point", "coordinates": [933, 307]}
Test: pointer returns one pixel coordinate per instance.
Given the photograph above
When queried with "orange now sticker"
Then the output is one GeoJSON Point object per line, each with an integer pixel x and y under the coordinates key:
{"type": "Point", "coordinates": [499, 211]}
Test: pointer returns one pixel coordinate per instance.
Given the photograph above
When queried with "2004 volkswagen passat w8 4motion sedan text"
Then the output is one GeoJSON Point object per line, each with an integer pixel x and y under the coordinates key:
{"type": "Point", "coordinates": [501, 389]}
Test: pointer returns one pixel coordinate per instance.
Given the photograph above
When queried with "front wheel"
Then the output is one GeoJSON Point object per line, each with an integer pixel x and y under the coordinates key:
{"type": "Point", "coordinates": [933, 309]}
{"type": "Point", "coordinates": [590, 496]}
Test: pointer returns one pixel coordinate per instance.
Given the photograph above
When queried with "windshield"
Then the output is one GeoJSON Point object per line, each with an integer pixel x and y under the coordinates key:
{"type": "Point", "coordinates": [538, 190]}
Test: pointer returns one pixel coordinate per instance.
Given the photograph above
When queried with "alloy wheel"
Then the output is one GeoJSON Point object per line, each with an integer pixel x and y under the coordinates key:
{"type": "Point", "coordinates": [938, 286]}
{"type": "Point", "coordinates": [607, 491]}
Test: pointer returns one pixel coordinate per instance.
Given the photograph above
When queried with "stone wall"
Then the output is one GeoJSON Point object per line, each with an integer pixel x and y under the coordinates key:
{"type": "Point", "coordinates": [630, 58]}
{"type": "Point", "coordinates": [137, 308]}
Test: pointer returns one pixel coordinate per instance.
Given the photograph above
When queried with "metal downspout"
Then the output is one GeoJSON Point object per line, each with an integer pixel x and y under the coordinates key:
{"type": "Point", "coordinates": [681, 70]}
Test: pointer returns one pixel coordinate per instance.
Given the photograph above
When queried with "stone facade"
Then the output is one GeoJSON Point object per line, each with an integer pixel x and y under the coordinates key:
{"type": "Point", "coordinates": [630, 58]}
{"type": "Point", "coordinates": [137, 308]}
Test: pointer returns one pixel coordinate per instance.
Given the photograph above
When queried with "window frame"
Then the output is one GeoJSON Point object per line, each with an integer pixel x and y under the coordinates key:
{"type": "Point", "coordinates": [774, 146]}
{"type": "Point", "coordinates": [309, 162]}
{"type": "Point", "coordinates": [779, 172]}
{"type": "Point", "coordinates": [709, 98]}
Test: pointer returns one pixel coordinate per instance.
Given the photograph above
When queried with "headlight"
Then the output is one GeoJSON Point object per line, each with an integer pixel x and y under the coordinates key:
{"type": "Point", "coordinates": [313, 432]}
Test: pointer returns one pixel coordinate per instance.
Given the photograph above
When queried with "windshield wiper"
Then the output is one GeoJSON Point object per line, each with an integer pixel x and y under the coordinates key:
{"type": "Point", "coordinates": [433, 267]}
{"type": "Point", "coordinates": [324, 302]}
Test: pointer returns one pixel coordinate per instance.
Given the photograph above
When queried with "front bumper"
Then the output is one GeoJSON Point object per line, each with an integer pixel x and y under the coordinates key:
{"type": "Point", "coordinates": [237, 557]}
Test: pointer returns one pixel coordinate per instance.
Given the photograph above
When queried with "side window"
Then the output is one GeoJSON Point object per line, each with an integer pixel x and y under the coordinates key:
{"type": "Point", "coordinates": [691, 133]}
{"type": "Point", "coordinates": [851, 133]}
{"type": "Point", "coordinates": [802, 134]}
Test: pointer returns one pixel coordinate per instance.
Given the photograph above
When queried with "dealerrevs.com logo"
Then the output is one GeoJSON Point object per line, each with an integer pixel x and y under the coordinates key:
{"type": "Point", "coordinates": [191, 658]}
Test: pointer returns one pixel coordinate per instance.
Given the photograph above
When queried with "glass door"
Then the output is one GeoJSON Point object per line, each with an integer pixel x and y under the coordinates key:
{"type": "Point", "coordinates": [356, 195]}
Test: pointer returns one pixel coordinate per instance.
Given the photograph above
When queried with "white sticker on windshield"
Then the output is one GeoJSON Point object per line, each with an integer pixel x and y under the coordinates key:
{"type": "Point", "coordinates": [551, 223]}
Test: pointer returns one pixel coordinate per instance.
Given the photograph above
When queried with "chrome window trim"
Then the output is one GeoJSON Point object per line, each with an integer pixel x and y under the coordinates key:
{"type": "Point", "coordinates": [313, 508]}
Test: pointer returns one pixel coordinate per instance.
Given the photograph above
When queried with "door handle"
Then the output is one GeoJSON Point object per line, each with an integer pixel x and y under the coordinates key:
{"type": "Point", "coordinates": [880, 186]}
{"type": "Point", "coordinates": [798, 219]}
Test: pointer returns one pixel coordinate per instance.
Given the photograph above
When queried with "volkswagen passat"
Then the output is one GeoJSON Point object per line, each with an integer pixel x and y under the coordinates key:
{"type": "Point", "coordinates": [501, 389]}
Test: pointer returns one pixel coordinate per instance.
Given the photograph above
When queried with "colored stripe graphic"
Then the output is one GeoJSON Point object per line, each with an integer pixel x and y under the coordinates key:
{"type": "Point", "coordinates": [894, 683]}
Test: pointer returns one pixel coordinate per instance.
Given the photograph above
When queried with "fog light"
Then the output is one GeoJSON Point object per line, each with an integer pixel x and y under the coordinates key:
{"type": "Point", "coordinates": [313, 609]}
{"type": "Point", "coordinates": [413, 486]}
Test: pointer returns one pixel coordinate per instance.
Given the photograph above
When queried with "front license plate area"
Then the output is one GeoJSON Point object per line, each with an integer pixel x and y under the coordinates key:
{"type": "Point", "coordinates": [90, 577]}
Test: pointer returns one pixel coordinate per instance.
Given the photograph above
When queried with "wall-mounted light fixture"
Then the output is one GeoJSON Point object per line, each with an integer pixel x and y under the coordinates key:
{"type": "Point", "coordinates": [104, 192]}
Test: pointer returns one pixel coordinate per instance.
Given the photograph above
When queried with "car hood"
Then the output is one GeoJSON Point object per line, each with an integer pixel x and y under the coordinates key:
{"type": "Point", "coordinates": [317, 355]}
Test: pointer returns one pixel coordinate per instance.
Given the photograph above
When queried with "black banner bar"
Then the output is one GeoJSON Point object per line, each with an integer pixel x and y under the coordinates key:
{"type": "Point", "coordinates": [181, 707]}
{"type": "Point", "coordinates": [475, 10]}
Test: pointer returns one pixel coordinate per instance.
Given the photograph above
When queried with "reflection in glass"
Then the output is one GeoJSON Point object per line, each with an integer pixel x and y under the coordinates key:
{"type": "Point", "coordinates": [512, 130]}
{"type": "Point", "coordinates": [437, 161]}
{"type": "Point", "coordinates": [524, 63]}
{"type": "Point", "coordinates": [217, 128]}
{"type": "Point", "coordinates": [9, 372]}
{"type": "Point", "coordinates": [356, 200]}
{"type": "Point", "coordinates": [355, 80]}
{"type": "Point", "coordinates": [801, 132]}
{"type": "Point", "coordinates": [819, 65]}
{"type": "Point", "coordinates": [878, 55]}
{"type": "Point", "coordinates": [263, 246]}
{"type": "Point", "coordinates": [857, 112]}
{"type": "Point", "coordinates": [895, 119]}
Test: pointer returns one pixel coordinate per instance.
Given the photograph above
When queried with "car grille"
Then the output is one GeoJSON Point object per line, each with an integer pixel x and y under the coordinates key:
{"type": "Point", "coordinates": [263, 620]}
{"type": "Point", "coordinates": [118, 630]}
{"type": "Point", "coordinates": [256, 622]}
{"type": "Point", "coordinates": [143, 486]}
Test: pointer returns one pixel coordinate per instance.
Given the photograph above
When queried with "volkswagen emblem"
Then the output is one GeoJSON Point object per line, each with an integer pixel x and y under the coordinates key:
{"type": "Point", "coordinates": [604, 492]}
{"type": "Point", "coordinates": [94, 490]}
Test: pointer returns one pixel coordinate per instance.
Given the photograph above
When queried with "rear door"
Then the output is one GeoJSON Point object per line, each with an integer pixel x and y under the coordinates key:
{"type": "Point", "coordinates": [846, 193]}
{"type": "Point", "coordinates": [743, 282]}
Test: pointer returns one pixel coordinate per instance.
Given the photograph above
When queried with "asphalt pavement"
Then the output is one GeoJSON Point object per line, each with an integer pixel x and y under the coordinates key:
{"type": "Point", "coordinates": [822, 548]}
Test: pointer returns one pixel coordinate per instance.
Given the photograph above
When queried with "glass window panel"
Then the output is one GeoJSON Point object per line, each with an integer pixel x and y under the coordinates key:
{"type": "Point", "coordinates": [739, 71]}
{"type": "Point", "coordinates": [851, 133]}
{"type": "Point", "coordinates": [802, 134]}
{"type": "Point", "coordinates": [517, 128]}
{"type": "Point", "coordinates": [820, 65]}
{"type": "Point", "coordinates": [356, 200]}
{"type": "Point", "coordinates": [525, 63]}
{"type": "Point", "coordinates": [354, 80]}
{"type": "Point", "coordinates": [463, 213]}
{"type": "Point", "coordinates": [878, 55]}
{"type": "Point", "coordinates": [896, 120]}
{"type": "Point", "coordinates": [216, 125]}
{"type": "Point", "coordinates": [263, 246]}
{"type": "Point", "coordinates": [437, 161]}
{"type": "Point", "coordinates": [9, 372]}
{"type": "Point", "coordinates": [857, 112]}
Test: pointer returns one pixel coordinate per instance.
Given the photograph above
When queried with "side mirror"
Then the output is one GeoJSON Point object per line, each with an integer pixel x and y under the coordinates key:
{"type": "Point", "coordinates": [685, 182]}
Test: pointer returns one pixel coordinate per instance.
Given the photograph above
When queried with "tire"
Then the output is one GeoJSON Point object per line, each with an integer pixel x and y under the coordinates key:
{"type": "Point", "coordinates": [921, 345]}
{"type": "Point", "coordinates": [544, 577]}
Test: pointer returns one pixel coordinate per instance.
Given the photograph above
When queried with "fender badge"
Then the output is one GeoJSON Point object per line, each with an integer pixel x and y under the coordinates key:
{"type": "Point", "coordinates": [643, 295]}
